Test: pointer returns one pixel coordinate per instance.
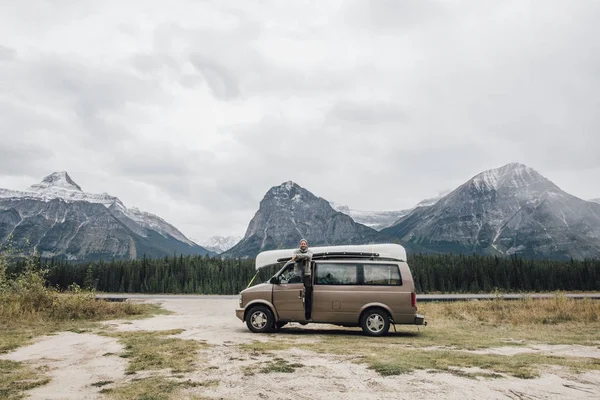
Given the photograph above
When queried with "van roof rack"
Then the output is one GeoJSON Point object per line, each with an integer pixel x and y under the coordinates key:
{"type": "Point", "coordinates": [336, 254]}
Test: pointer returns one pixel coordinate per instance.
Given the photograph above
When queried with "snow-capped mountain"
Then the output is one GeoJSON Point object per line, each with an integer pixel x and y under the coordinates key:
{"type": "Point", "coordinates": [59, 185]}
{"type": "Point", "coordinates": [380, 220]}
{"type": "Point", "coordinates": [377, 220]}
{"type": "Point", "coordinates": [288, 213]}
{"type": "Point", "coordinates": [508, 210]}
{"type": "Point", "coordinates": [433, 200]}
{"type": "Point", "coordinates": [595, 201]}
{"type": "Point", "coordinates": [220, 244]}
{"type": "Point", "coordinates": [57, 218]}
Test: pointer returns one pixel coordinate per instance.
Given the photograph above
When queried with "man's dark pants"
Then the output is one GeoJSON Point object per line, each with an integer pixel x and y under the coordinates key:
{"type": "Point", "coordinates": [308, 289]}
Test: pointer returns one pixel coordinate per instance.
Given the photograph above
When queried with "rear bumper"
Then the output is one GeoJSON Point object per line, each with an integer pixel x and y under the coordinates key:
{"type": "Point", "coordinates": [239, 312]}
{"type": "Point", "coordinates": [420, 320]}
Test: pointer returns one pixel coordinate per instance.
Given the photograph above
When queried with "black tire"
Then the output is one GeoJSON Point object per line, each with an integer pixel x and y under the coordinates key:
{"type": "Point", "coordinates": [260, 319]}
{"type": "Point", "coordinates": [280, 324]}
{"type": "Point", "coordinates": [375, 322]}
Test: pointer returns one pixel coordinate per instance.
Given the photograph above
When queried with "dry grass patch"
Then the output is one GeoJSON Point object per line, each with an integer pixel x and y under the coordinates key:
{"type": "Point", "coordinates": [258, 348]}
{"type": "Point", "coordinates": [527, 311]}
{"type": "Point", "coordinates": [22, 328]}
{"type": "Point", "coordinates": [156, 351]}
{"type": "Point", "coordinates": [494, 323]}
{"type": "Point", "coordinates": [156, 388]}
{"type": "Point", "coordinates": [457, 326]}
{"type": "Point", "coordinates": [524, 366]}
{"type": "Point", "coordinates": [277, 365]}
{"type": "Point", "coordinates": [393, 359]}
{"type": "Point", "coordinates": [15, 378]}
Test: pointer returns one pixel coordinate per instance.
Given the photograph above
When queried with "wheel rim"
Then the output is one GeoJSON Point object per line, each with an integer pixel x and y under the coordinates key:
{"type": "Point", "coordinates": [375, 323]}
{"type": "Point", "coordinates": [258, 319]}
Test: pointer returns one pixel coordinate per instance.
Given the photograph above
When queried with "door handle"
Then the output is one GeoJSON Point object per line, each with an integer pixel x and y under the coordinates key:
{"type": "Point", "coordinates": [300, 295]}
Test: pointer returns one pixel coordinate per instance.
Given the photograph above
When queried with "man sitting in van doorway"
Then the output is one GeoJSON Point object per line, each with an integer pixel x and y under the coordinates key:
{"type": "Point", "coordinates": [303, 256]}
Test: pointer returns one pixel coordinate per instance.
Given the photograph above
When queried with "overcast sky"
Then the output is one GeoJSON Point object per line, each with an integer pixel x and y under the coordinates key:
{"type": "Point", "coordinates": [192, 110]}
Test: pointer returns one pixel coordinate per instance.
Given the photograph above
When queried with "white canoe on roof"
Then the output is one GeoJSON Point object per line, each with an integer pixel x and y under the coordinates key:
{"type": "Point", "coordinates": [387, 250]}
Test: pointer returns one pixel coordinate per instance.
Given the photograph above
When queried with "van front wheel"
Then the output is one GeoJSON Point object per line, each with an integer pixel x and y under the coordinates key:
{"type": "Point", "coordinates": [260, 320]}
{"type": "Point", "coordinates": [375, 322]}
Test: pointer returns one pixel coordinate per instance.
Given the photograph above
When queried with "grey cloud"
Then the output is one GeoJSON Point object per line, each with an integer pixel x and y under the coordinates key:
{"type": "Point", "coordinates": [23, 158]}
{"type": "Point", "coordinates": [153, 62]}
{"type": "Point", "coordinates": [233, 65]}
{"type": "Point", "coordinates": [391, 15]}
{"type": "Point", "coordinates": [155, 65]}
{"type": "Point", "coordinates": [403, 98]}
{"type": "Point", "coordinates": [7, 53]}
{"type": "Point", "coordinates": [368, 113]}
{"type": "Point", "coordinates": [222, 83]}
{"type": "Point", "coordinates": [87, 92]}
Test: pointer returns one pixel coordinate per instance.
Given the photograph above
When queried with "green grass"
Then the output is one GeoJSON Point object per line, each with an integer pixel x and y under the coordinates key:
{"type": "Point", "coordinates": [156, 351]}
{"type": "Point", "coordinates": [279, 365]}
{"type": "Point", "coordinates": [102, 383]}
{"type": "Point", "coordinates": [15, 378]}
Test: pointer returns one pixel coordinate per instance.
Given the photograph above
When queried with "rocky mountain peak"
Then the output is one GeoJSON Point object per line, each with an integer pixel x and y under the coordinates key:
{"type": "Point", "coordinates": [58, 219]}
{"type": "Point", "coordinates": [288, 194]}
{"type": "Point", "coordinates": [56, 180]}
{"type": "Point", "coordinates": [285, 191]}
{"type": "Point", "coordinates": [513, 176]}
{"type": "Point", "coordinates": [289, 212]}
{"type": "Point", "coordinates": [508, 210]}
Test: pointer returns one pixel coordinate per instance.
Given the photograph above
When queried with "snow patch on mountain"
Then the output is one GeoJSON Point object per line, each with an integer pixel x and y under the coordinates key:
{"type": "Point", "coordinates": [377, 220]}
{"type": "Point", "coordinates": [157, 224]}
{"type": "Point", "coordinates": [513, 175]}
{"type": "Point", "coordinates": [380, 220]}
{"type": "Point", "coordinates": [59, 185]}
{"type": "Point", "coordinates": [595, 200]}
{"type": "Point", "coordinates": [220, 244]}
{"type": "Point", "coordinates": [56, 180]}
{"type": "Point", "coordinates": [433, 200]}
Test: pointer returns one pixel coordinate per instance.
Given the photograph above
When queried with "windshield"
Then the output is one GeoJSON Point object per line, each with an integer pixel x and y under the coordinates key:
{"type": "Point", "coordinates": [290, 273]}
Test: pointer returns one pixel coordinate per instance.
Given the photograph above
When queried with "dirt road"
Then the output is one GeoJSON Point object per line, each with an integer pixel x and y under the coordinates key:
{"type": "Point", "coordinates": [76, 361]}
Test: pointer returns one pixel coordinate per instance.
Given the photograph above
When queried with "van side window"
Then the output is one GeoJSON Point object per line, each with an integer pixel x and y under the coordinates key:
{"type": "Point", "coordinates": [336, 274]}
{"type": "Point", "coordinates": [382, 274]}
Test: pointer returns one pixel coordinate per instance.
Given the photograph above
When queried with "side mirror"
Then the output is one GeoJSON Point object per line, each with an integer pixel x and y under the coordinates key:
{"type": "Point", "coordinates": [274, 281]}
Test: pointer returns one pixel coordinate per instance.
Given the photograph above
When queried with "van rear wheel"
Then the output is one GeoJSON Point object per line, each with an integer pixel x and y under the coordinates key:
{"type": "Point", "coordinates": [260, 320]}
{"type": "Point", "coordinates": [375, 322]}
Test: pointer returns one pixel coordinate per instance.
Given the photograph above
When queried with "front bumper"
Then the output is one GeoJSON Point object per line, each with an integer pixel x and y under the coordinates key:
{"type": "Point", "coordinates": [420, 320]}
{"type": "Point", "coordinates": [239, 312]}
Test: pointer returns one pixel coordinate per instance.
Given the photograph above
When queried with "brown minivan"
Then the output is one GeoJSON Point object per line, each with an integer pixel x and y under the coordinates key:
{"type": "Point", "coordinates": [370, 286]}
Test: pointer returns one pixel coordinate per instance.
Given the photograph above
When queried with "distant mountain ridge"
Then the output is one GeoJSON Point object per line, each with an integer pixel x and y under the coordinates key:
{"type": "Point", "coordinates": [288, 213]}
{"type": "Point", "coordinates": [595, 201]}
{"type": "Point", "coordinates": [380, 220]}
{"type": "Point", "coordinates": [377, 220]}
{"type": "Point", "coordinates": [220, 244]}
{"type": "Point", "coordinates": [508, 210]}
{"type": "Point", "coordinates": [58, 219]}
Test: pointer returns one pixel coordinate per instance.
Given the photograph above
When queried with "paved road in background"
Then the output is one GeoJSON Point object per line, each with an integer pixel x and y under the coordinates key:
{"type": "Point", "coordinates": [420, 297]}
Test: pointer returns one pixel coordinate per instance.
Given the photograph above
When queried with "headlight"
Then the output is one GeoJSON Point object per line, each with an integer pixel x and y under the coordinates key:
{"type": "Point", "coordinates": [240, 300]}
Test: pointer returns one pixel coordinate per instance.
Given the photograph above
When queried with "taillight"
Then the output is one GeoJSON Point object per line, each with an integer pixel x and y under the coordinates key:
{"type": "Point", "coordinates": [413, 299]}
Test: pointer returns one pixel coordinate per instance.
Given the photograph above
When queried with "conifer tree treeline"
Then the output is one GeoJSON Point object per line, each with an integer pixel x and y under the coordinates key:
{"type": "Point", "coordinates": [431, 273]}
